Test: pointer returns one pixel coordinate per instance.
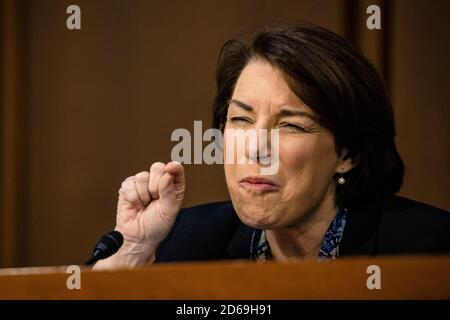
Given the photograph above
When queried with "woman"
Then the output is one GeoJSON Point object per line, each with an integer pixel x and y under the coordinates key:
{"type": "Point", "coordinates": [339, 169]}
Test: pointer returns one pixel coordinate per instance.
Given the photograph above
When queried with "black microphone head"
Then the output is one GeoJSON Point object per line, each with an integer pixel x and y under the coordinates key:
{"type": "Point", "coordinates": [108, 244]}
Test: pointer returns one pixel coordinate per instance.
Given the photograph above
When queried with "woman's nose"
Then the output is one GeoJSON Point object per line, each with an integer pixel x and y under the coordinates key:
{"type": "Point", "coordinates": [258, 146]}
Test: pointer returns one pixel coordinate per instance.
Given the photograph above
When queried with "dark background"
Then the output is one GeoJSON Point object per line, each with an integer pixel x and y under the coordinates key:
{"type": "Point", "coordinates": [82, 110]}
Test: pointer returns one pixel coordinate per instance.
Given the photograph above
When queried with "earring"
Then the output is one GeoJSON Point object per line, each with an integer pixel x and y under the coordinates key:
{"type": "Point", "coordinates": [341, 179]}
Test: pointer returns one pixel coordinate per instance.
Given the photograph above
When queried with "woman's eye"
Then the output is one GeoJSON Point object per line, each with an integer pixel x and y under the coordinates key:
{"type": "Point", "coordinates": [292, 126]}
{"type": "Point", "coordinates": [240, 120]}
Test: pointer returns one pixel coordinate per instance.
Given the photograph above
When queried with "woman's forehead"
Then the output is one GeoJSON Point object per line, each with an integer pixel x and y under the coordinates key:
{"type": "Point", "coordinates": [260, 75]}
{"type": "Point", "coordinates": [263, 86]}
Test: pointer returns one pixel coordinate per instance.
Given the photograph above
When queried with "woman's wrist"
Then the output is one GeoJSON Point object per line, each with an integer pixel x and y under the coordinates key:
{"type": "Point", "coordinates": [129, 255]}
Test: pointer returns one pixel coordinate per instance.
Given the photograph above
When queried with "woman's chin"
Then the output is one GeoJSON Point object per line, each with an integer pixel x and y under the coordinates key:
{"type": "Point", "coordinates": [256, 220]}
{"type": "Point", "coordinates": [256, 214]}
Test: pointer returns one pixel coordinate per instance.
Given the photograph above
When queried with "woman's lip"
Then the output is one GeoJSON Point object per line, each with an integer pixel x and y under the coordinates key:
{"type": "Point", "coordinates": [258, 186]}
{"type": "Point", "coordinates": [258, 183]}
{"type": "Point", "coordinates": [258, 180]}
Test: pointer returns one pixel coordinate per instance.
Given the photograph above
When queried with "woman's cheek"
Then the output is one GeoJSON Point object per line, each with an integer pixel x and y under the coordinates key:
{"type": "Point", "coordinates": [291, 155]}
{"type": "Point", "coordinates": [230, 173]}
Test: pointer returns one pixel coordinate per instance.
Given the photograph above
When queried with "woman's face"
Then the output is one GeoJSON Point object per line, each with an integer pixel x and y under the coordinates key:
{"type": "Point", "coordinates": [308, 160]}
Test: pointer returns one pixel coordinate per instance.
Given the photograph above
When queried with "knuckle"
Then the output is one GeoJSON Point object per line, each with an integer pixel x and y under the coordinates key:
{"type": "Point", "coordinates": [157, 166]}
{"type": "Point", "coordinates": [142, 176]}
{"type": "Point", "coordinates": [128, 185]}
{"type": "Point", "coordinates": [124, 182]}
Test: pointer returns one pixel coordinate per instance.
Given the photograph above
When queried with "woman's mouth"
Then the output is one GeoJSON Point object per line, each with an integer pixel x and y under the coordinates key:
{"type": "Point", "coordinates": [256, 183]}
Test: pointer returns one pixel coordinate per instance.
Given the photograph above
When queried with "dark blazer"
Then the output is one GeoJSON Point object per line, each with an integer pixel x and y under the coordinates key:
{"type": "Point", "coordinates": [399, 226]}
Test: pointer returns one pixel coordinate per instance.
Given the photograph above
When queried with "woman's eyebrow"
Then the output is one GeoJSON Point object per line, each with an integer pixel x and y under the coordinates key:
{"type": "Point", "coordinates": [242, 105]}
{"type": "Point", "coordinates": [296, 113]}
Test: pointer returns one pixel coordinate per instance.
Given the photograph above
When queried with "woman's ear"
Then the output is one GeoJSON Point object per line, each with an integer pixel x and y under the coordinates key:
{"type": "Point", "coordinates": [346, 162]}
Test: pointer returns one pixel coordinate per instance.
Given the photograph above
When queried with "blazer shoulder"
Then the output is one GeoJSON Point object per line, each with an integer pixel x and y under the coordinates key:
{"type": "Point", "coordinates": [413, 227]}
{"type": "Point", "coordinates": [401, 207]}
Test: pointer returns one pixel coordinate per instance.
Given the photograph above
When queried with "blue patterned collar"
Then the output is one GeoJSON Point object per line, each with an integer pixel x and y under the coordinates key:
{"type": "Point", "coordinates": [260, 250]}
{"type": "Point", "coordinates": [333, 237]}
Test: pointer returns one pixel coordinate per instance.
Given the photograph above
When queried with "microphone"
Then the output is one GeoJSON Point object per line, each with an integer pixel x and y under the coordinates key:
{"type": "Point", "coordinates": [108, 244]}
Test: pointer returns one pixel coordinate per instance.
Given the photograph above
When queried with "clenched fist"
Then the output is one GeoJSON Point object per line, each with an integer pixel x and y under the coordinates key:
{"type": "Point", "coordinates": [146, 211]}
